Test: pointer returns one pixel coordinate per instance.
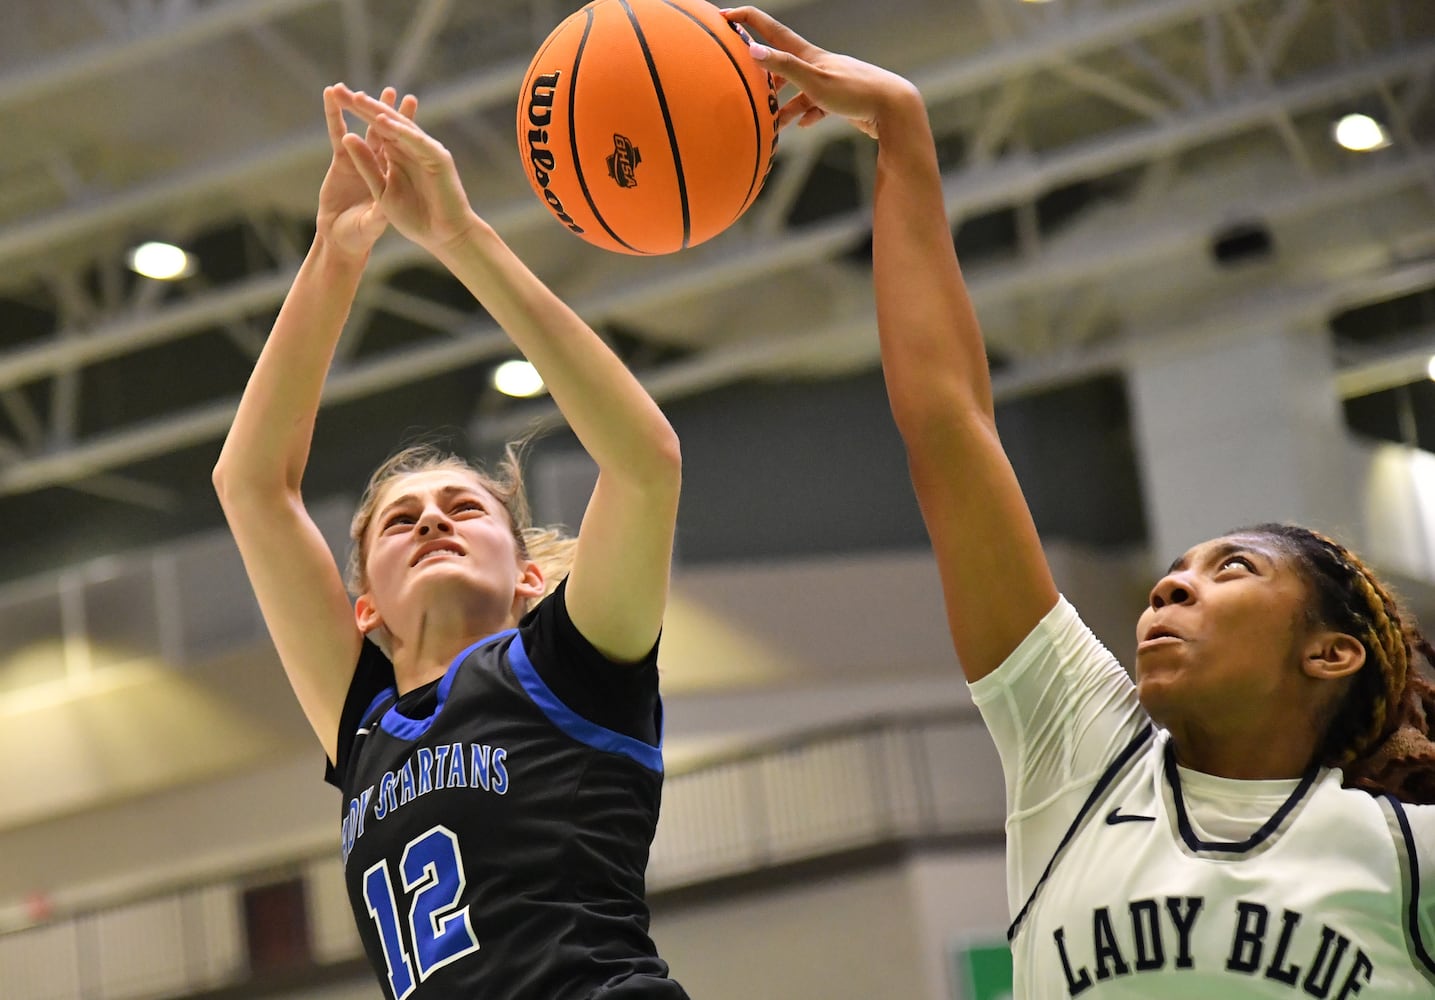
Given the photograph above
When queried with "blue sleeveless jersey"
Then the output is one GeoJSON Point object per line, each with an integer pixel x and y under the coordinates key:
{"type": "Point", "coordinates": [495, 840]}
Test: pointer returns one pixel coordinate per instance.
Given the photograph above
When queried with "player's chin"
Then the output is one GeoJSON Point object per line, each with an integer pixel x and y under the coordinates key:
{"type": "Point", "coordinates": [440, 578]}
{"type": "Point", "coordinates": [1159, 689]}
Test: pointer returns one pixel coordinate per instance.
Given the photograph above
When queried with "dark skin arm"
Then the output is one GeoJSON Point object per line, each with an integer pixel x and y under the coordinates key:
{"type": "Point", "coordinates": [995, 579]}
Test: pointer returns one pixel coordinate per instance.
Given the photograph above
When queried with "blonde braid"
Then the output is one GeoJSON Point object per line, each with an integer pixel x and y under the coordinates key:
{"type": "Point", "coordinates": [1386, 636]}
{"type": "Point", "coordinates": [1380, 735]}
{"type": "Point", "coordinates": [553, 550]}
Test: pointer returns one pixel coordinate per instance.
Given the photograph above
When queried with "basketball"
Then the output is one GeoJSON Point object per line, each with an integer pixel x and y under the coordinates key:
{"type": "Point", "coordinates": [645, 126]}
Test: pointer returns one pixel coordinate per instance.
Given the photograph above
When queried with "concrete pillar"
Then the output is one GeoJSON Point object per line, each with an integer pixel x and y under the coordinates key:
{"type": "Point", "coordinates": [1237, 429]}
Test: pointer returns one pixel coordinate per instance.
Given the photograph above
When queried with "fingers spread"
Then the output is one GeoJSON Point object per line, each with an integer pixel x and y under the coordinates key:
{"type": "Point", "coordinates": [772, 30]}
{"type": "Point", "coordinates": [406, 135]}
{"type": "Point", "coordinates": [811, 117]}
{"type": "Point", "coordinates": [372, 137]}
{"type": "Point", "coordinates": [799, 107]}
{"type": "Point", "coordinates": [363, 105]}
{"type": "Point", "coordinates": [366, 162]}
{"type": "Point", "coordinates": [392, 130]}
{"type": "Point", "coordinates": [787, 67]}
{"type": "Point", "coordinates": [334, 119]}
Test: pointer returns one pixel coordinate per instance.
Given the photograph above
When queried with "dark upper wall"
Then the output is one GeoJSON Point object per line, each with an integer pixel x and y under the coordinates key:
{"type": "Point", "coordinates": [771, 470]}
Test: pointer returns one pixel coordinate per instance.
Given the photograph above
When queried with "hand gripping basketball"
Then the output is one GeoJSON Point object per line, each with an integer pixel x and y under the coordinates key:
{"type": "Point", "coordinates": [828, 83]}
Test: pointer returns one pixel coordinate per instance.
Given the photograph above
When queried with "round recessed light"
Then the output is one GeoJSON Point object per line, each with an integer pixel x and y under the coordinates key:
{"type": "Point", "coordinates": [160, 261]}
{"type": "Point", "coordinates": [517, 378]}
{"type": "Point", "coordinates": [1360, 133]}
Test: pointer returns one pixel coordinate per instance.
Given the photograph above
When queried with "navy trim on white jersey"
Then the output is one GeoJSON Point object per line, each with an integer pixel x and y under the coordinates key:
{"type": "Point", "coordinates": [1188, 832]}
{"type": "Point", "coordinates": [1421, 950]}
{"type": "Point", "coordinates": [1112, 772]}
{"type": "Point", "coordinates": [570, 722]}
{"type": "Point", "coordinates": [396, 723]}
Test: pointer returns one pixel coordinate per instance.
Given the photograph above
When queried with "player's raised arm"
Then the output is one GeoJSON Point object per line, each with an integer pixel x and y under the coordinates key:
{"type": "Point", "coordinates": [994, 574]}
{"type": "Point", "coordinates": [258, 474]}
{"type": "Point", "coordinates": [617, 589]}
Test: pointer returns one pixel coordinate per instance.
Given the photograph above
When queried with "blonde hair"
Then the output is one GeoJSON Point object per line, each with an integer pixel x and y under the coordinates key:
{"type": "Point", "coordinates": [551, 547]}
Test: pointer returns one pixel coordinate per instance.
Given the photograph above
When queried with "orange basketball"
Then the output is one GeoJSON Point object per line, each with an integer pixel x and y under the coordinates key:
{"type": "Point", "coordinates": [645, 126]}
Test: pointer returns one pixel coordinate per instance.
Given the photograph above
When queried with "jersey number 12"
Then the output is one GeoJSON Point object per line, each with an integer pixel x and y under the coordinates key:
{"type": "Point", "coordinates": [438, 927]}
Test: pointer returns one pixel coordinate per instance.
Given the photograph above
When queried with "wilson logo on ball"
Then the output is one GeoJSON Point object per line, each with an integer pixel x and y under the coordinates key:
{"type": "Point", "coordinates": [623, 161]}
{"type": "Point", "coordinates": [540, 116]}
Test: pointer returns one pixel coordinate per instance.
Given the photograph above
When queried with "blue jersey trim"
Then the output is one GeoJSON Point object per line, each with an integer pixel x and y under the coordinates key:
{"type": "Point", "coordinates": [396, 723]}
{"type": "Point", "coordinates": [570, 722]}
{"type": "Point", "coordinates": [1188, 832]}
{"type": "Point", "coordinates": [367, 717]}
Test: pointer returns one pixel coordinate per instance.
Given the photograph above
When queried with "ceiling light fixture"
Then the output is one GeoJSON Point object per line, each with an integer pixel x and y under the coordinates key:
{"type": "Point", "coordinates": [517, 378]}
{"type": "Point", "coordinates": [160, 261]}
{"type": "Point", "coordinates": [1360, 133]}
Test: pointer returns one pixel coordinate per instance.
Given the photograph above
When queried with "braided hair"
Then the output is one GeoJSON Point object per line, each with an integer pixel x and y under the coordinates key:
{"type": "Point", "coordinates": [1381, 733]}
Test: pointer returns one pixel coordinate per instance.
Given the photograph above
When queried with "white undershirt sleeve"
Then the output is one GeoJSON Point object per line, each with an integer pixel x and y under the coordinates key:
{"type": "Point", "coordinates": [1059, 708]}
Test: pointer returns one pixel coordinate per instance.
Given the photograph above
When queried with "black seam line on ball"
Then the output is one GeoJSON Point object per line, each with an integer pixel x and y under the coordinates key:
{"type": "Point", "coordinates": [573, 138]}
{"type": "Point", "coordinates": [751, 103]}
{"type": "Point", "coordinates": [667, 121]}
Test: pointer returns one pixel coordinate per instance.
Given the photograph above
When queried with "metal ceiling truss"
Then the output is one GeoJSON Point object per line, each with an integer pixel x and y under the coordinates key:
{"type": "Point", "coordinates": [1136, 59]}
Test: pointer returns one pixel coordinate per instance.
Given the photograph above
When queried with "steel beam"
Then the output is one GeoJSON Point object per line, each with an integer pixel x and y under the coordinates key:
{"type": "Point", "coordinates": [1003, 182]}
{"type": "Point", "coordinates": [487, 341]}
{"type": "Point", "coordinates": [1296, 306]}
{"type": "Point", "coordinates": [84, 66]}
{"type": "Point", "coordinates": [1067, 39]}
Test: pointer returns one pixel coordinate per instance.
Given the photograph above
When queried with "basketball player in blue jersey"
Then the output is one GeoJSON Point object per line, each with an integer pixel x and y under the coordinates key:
{"type": "Point", "coordinates": [1251, 818]}
{"type": "Point", "coordinates": [492, 721]}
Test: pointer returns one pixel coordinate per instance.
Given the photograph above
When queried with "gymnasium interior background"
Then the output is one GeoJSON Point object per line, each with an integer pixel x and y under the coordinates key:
{"type": "Point", "coordinates": [1202, 311]}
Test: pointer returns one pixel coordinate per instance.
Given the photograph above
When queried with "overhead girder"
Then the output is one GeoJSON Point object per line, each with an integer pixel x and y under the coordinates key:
{"type": "Point", "coordinates": [1024, 54]}
{"type": "Point", "coordinates": [1009, 180]}
{"type": "Point", "coordinates": [1178, 120]}
{"type": "Point", "coordinates": [89, 63]}
{"type": "Point", "coordinates": [723, 365]}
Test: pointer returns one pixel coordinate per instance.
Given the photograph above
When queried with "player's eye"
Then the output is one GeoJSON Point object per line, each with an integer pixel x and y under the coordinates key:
{"type": "Point", "coordinates": [396, 520]}
{"type": "Point", "coordinates": [1241, 561]}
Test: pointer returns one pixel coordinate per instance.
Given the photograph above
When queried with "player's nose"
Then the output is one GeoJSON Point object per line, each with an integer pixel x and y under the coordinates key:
{"type": "Point", "coordinates": [1173, 588]}
{"type": "Point", "coordinates": [433, 520]}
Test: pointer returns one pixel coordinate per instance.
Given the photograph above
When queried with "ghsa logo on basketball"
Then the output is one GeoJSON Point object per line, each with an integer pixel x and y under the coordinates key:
{"type": "Point", "coordinates": [623, 161]}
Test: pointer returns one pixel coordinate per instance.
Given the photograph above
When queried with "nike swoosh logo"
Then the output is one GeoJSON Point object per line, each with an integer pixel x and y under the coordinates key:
{"type": "Point", "coordinates": [1117, 816]}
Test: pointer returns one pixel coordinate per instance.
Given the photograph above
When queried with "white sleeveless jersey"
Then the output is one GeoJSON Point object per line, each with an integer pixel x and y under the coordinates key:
{"type": "Point", "coordinates": [1322, 901]}
{"type": "Point", "coordinates": [1332, 896]}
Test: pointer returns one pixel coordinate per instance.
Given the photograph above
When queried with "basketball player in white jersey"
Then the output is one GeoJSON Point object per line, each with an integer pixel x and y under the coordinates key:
{"type": "Point", "coordinates": [1251, 817]}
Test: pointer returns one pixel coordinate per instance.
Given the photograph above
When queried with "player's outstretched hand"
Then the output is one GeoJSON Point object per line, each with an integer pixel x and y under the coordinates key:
{"type": "Point", "coordinates": [349, 218]}
{"type": "Point", "coordinates": [409, 173]}
{"type": "Point", "coordinates": [828, 83]}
